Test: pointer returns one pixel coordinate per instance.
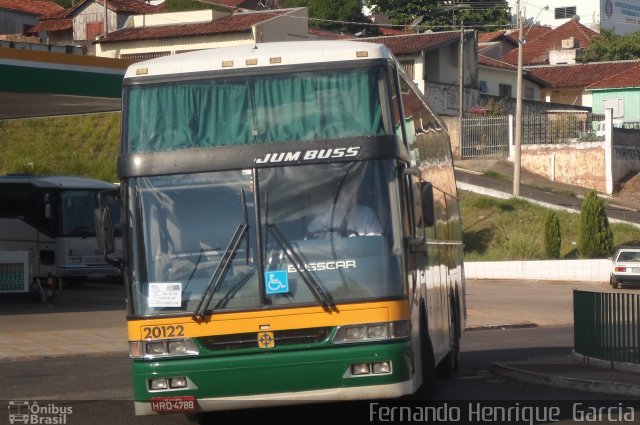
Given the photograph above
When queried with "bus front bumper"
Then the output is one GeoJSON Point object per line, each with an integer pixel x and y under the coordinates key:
{"type": "Point", "coordinates": [231, 382]}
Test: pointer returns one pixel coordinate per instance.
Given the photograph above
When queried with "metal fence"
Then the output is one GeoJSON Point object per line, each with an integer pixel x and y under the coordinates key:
{"type": "Point", "coordinates": [489, 137]}
{"type": "Point", "coordinates": [561, 127]}
{"type": "Point", "coordinates": [485, 137]}
{"type": "Point", "coordinates": [606, 325]}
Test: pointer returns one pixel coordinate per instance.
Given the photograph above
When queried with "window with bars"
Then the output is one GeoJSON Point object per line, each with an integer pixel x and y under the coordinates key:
{"type": "Point", "coordinates": [504, 90]}
{"type": "Point", "coordinates": [566, 12]}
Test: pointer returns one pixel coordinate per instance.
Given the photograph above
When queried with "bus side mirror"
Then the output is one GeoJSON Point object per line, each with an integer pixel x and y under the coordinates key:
{"type": "Point", "coordinates": [47, 207]}
{"type": "Point", "coordinates": [106, 230]}
{"type": "Point", "coordinates": [105, 233]}
{"type": "Point", "coordinates": [428, 207]}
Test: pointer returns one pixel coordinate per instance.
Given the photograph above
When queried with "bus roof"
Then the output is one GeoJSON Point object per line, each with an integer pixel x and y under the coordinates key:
{"type": "Point", "coordinates": [260, 55]}
{"type": "Point", "coordinates": [61, 182]}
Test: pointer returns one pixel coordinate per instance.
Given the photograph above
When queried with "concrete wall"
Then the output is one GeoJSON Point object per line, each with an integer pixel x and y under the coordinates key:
{"type": "Point", "coordinates": [575, 270]}
{"type": "Point", "coordinates": [445, 98]}
{"type": "Point", "coordinates": [626, 153]}
{"type": "Point", "coordinates": [581, 164]}
{"type": "Point", "coordinates": [289, 27]}
{"type": "Point", "coordinates": [496, 76]}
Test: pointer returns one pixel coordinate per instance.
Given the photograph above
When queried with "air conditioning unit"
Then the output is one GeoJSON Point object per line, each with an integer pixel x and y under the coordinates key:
{"type": "Point", "coordinates": [569, 43]}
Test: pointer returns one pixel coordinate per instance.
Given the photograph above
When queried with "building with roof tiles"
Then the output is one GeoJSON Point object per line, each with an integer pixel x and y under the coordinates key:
{"type": "Point", "coordinates": [85, 21]}
{"type": "Point", "coordinates": [17, 16]}
{"type": "Point", "coordinates": [432, 61]}
{"type": "Point", "coordinates": [560, 45]}
{"type": "Point", "coordinates": [497, 78]}
{"type": "Point", "coordinates": [572, 84]}
{"type": "Point", "coordinates": [621, 93]}
{"type": "Point", "coordinates": [150, 36]}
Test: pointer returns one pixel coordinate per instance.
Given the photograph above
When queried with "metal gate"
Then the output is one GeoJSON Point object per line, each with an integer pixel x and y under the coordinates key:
{"type": "Point", "coordinates": [484, 137]}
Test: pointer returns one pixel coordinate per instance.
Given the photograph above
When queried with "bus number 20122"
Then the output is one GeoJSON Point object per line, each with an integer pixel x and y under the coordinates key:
{"type": "Point", "coordinates": [170, 331]}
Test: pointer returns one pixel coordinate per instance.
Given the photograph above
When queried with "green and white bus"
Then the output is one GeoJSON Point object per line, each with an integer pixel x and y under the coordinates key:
{"type": "Point", "coordinates": [292, 231]}
{"type": "Point", "coordinates": [47, 232]}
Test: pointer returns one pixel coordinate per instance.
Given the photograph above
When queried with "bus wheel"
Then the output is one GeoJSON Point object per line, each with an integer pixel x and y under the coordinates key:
{"type": "Point", "coordinates": [450, 364]}
{"type": "Point", "coordinates": [428, 362]}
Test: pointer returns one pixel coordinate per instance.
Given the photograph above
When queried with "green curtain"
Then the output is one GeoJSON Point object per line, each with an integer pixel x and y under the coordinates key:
{"type": "Point", "coordinates": [265, 109]}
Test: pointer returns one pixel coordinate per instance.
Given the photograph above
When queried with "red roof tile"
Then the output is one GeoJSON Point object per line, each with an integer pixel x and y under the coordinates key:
{"type": "Point", "coordinates": [229, 24]}
{"type": "Point", "coordinates": [536, 51]}
{"type": "Point", "coordinates": [487, 37]}
{"type": "Point", "coordinates": [53, 25]}
{"type": "Point", "coordinates": [581, 75]}
{"type": "Point", "coordinates": [628, 78]}
{"type": "Point", "coordinates": [494, 63]}
{"type": "Point", "coordinates": [532, 32]}
{"type": "Point", "coordinates": [414, 43]}
{"type": "Point", "coordinates": [34, 7]}
{"type": "Point", "coordinates": [391, 31]}
{"type": "Point", "coordinates": [130, 6]}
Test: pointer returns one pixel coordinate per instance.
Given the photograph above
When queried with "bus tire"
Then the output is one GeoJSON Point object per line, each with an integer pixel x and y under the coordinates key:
{"type": "Point", "coordinates": [450, 364]}
{"type": "Point", "coordinates": [428, 361]}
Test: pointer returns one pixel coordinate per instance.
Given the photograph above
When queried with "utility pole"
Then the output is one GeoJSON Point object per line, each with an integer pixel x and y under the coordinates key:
{"type": "Point", "coordinates": [461, 76]}
{"type": "Point", "coordinates": [518, 138]}
{"type": "Point", "coordinates": [106, 19]}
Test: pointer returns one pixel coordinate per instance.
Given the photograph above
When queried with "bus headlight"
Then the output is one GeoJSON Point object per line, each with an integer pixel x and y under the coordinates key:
{"type": "Point", "coordinates": [163, 348]}
{"type": "Point", "coordinates": [371, 332]}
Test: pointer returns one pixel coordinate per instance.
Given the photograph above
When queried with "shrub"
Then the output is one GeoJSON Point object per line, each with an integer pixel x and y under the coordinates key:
{"type": "Point", "coordinates": [552, 237]}
{"type": "Point", "coordinates": [595, 238]}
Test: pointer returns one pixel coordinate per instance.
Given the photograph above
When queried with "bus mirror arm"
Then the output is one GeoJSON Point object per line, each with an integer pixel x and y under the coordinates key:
{"type": "Point", "coordinates": [105, 235]}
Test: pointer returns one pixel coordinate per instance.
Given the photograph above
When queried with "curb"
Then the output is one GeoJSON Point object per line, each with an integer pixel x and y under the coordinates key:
{"type": "Point", "coordinates": [35, 357]}
{"type": "Point", "coordinates": [523, 325]}
{"type": "Point", "coordinates": [589, 385]}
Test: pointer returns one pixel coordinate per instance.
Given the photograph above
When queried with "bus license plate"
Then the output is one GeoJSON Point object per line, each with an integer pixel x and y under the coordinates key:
{"type": "Point", "coordinates": [173, 404]}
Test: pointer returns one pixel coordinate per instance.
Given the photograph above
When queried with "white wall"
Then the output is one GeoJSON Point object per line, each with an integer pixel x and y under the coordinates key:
{"type": "Point", "coordinates": [496, 76]}
{"type": "Point", "coordinates": [574, 270]}
{"type": "Point", "coordinates": [173, 18]}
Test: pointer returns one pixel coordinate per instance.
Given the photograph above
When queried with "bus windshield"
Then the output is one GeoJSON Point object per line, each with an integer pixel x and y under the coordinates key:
{"type": "Point", "coordinates": [338, 223]}
{"type": "Point", "coordinates": [270, 108]}
{"type": "Point", "coordinates": [77, 212]}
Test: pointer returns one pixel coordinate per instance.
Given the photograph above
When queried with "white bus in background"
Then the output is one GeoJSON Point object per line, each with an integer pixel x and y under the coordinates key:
{"type": "Point", "coordinates": [47, 233]}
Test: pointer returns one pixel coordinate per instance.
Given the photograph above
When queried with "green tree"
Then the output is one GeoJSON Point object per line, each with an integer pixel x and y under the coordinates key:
{"type": "Point", "coordinates": [612, 47]}
{"type": "Point", "coordinates": [182, 5]}
{"type": "Point", "coordinates": [552, 236]}
{"type": "Point", "coordinates": [595, 238]}
{"type": "Point", "coordinates": [438, 15]}
{"type": "Point", "coordinates": [65, 3]}
{"type": "Point", "coordinates": [337, 15]}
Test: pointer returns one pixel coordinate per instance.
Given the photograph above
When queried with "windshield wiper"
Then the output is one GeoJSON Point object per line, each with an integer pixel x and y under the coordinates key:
{"type": "Point", "coordinates": [322, 296]}
{"type": "Point", "coordinates": [220, 272]}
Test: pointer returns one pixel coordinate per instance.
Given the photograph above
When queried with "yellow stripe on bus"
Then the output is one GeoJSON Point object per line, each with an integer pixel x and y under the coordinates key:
{"type": "Point", "coordinates": [271, 320]}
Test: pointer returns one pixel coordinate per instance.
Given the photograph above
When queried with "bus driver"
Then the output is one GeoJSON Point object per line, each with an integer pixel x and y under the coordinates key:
{"type": "Point", "coordinates": [344, 218]}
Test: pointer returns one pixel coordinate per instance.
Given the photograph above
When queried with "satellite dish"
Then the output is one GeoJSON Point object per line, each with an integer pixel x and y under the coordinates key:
{"type": "Point", "coordinates": [417, 21]}
{"type": "Point", "coordinates": [576, 18]}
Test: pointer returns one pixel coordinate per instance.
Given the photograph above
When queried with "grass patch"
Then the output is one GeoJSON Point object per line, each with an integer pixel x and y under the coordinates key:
{"type": "Point", "coordinates": [498, 176]}
{"type": "Point", "coordinates": [512, 229]}
{"type": "Point", "coordinates": [79, 145]}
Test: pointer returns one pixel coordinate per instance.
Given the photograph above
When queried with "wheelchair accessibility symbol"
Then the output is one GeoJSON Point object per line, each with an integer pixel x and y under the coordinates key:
{"type": "Point", "coordinates": [277, 282]}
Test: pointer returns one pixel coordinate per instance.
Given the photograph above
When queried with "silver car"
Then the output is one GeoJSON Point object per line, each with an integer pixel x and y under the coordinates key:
{"type": "Point", "coordinates": [625, 267]}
